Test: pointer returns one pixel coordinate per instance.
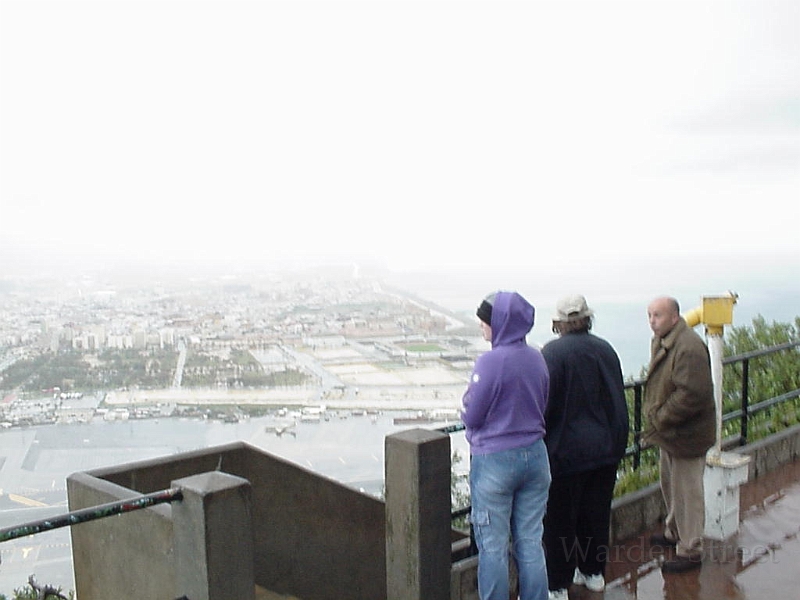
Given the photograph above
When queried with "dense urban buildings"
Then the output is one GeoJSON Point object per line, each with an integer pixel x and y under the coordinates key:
{"type": "Point", "coordinates": [332, 340]}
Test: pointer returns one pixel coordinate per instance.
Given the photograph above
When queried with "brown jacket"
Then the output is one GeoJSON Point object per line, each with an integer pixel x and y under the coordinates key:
{"type": "Point", "coordinates": [679, 394]}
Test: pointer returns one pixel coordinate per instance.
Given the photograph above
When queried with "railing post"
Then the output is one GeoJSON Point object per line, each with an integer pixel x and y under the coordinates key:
{"type": "Point", "coordinates": [745, 401]}
{"type": "Point", "coordinates": [418, 528]}
{"type": "Point", "coordinates": [214, 538]}
{"type": "Point", "coordinates": [637, 425]}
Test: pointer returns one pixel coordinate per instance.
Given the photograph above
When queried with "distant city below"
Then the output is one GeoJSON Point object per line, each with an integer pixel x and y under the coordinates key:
{"type": "Point", "coordinates": [348, 342]}
{"type": "Point", "coordinates": [339, 316]}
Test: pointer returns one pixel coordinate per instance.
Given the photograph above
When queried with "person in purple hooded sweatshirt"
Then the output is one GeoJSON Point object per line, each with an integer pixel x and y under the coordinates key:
{"type": "Point", "coordinates": [503, 413]}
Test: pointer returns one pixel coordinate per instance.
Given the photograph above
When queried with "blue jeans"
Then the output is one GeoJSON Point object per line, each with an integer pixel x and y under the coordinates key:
{"type": "Point", "coordinates": [509, 496]}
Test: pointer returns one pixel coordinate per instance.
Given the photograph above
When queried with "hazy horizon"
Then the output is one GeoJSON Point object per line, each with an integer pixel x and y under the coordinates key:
{"type": "Point", "coordinates": [618, 292]}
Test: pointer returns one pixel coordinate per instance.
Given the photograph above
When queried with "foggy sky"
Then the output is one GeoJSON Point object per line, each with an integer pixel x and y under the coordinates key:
{"type": "Point", "coordinates": [407, 134]}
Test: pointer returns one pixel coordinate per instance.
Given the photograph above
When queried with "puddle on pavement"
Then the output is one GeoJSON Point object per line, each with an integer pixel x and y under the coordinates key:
{"type": "Point", "coordinates": [761, 561]}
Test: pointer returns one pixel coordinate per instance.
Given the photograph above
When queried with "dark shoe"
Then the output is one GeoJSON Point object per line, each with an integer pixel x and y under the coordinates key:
{"type": "Point", "coordinates": [659, 539]}
{"type": "Point", "coordinates": [681, 564]}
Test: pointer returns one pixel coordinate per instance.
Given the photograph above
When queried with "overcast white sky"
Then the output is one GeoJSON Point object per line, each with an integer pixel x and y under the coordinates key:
{"type": "Point", "coordinates": [409, 133]}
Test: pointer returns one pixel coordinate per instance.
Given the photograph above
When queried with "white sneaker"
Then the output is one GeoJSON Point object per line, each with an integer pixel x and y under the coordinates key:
{"type": "Point", "coordinates": [561, 594]}
{"type": "Point", "coordinates": [595, 583]}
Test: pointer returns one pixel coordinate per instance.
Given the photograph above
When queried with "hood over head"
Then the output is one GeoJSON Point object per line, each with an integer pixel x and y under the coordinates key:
{"type": "Point", "coordinates": [512, 318]}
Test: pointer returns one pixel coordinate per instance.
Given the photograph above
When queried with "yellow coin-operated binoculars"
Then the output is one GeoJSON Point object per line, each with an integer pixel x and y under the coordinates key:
{"type": "Point", "coordinates": [725, 471]}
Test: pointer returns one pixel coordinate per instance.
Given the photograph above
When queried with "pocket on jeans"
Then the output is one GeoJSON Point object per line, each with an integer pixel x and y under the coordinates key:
{"type": "Point", "coordinates": [481, 528]}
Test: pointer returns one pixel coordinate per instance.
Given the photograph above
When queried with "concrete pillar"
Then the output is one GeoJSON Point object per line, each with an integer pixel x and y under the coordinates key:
{"type": "Point", "coordinates": [418, 525]}
{"type": "Point", "coordinates": [725, 473]}
{"type": "Point", "coordinates": [213, 538]}
{"type": "Point", "coordinates": [715, 352]}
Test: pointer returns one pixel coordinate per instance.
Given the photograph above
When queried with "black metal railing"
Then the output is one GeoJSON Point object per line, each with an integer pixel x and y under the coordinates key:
{"type": "Point", "coordinates": [744, 413]}
{"type": "Point", "coordinates": [90, 514]}
{"type": "Point", "coordinates": [746, 409]}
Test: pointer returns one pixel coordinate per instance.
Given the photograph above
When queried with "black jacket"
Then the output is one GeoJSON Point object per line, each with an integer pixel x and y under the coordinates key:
{"type": "Point", "coordinates": [586, 417]}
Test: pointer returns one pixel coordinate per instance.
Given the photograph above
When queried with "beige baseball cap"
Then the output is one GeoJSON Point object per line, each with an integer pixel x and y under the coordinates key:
{"type": "Point", "coordinates": [572, 308]}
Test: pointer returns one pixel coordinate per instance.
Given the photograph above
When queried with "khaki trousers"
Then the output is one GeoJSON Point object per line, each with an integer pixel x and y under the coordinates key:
{"type": "Point", "coordinates": [682, 488]}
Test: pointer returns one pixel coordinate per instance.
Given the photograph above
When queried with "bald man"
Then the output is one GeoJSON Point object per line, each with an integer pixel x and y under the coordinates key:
{"type": "Point", "coordinates": [681, 421]}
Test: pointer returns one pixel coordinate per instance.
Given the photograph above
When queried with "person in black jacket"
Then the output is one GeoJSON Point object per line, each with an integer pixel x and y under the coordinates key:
{"type": "Point", "coordinates": [587, 432]}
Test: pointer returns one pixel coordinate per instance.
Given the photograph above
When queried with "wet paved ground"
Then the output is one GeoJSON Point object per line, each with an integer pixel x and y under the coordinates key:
{"type": "Point", "coordinates": [761, 561]}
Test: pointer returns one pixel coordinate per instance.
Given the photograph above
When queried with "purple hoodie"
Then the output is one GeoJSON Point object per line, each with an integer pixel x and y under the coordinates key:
{"type": "Point", "coordinates": [507, 394]}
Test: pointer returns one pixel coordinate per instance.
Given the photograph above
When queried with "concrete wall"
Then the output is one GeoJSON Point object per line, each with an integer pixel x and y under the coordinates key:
{"type": "Point", "coordinates": [772, 452]}
{"type": "Point", "coordinates": [122, 553]}
{"type": "Point", "coordinates": [313, 537]}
